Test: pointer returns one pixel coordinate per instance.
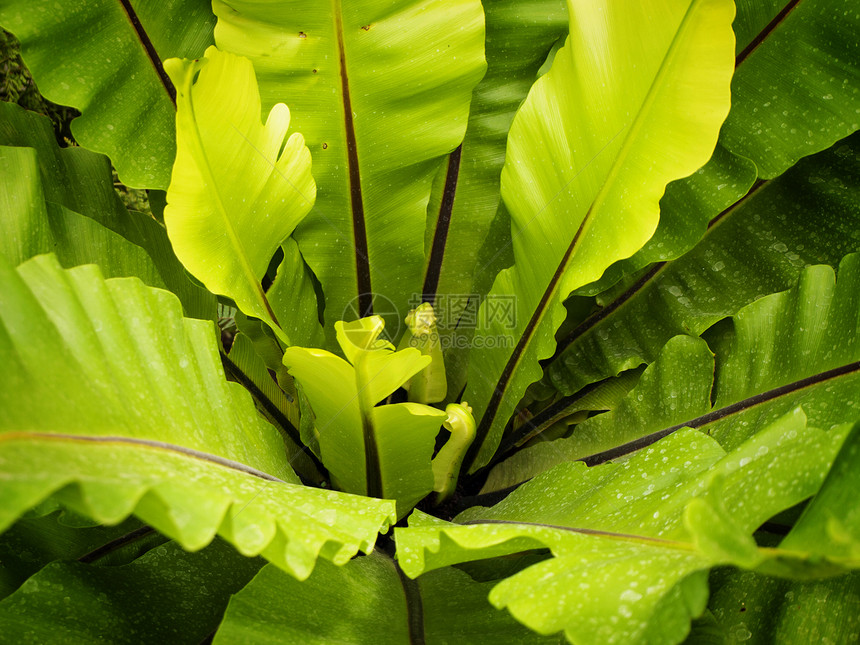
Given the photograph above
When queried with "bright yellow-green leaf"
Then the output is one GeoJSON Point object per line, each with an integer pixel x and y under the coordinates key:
{"type": "Point", "coordinates": [237, 190]}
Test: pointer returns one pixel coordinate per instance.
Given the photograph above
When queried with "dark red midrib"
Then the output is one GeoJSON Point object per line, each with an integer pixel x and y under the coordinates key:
{"type": "Point", "coordinates": [505, 377]}
{"type": "Point", "coordinates": [590, 322]}
{"type": "Point", "coordinates": [359, 228]}
{"type": "Point", "coordinates": [717, 415]}
{"type": "Point", "coordinates": [706, 419]}
{"type": "Point", "coordinates": [149, 443]}
{"type": "Point", "coordinates": [443, 224]}
{"type": "Point", "coordinates": [764, 33]}
{"type": "Point", "coordinates": [151, 53]}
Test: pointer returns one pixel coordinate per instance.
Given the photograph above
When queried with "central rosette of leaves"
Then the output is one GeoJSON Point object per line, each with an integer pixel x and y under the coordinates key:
{"type": "Point", "coordinates": [372, 449]}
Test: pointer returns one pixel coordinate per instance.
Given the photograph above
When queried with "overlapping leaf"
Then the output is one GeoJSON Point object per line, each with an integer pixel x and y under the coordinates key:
{"type": "Point", "coordinates": [104, 58]}
{"type": "Point", "coordinates": [632, 541]}
{"type": "Point", "coordinates": [381, 92]}
{"type": "Point", "coordinates": [35, 226]}
{"type": "Point", "coordinates": [797, 87]}
{"type": "Point", "coordinates": [673, 389]}
{"type": "Point", "coordinates": [809, 215]}
{"type": "Point", "coordinates": [757, 609]}
{"type": "Point", "coordinates": [788, 101]}
{"type": "Point", "coordinates": [793, 348]}
{"type": "Point", "coordinates": [465, 194]}
{"type": "Point", "coordinates": [244, 365]}
{"type": "Point", "coordinates": [238, 188]}
{"type": "Point", "coordinates": [623, 111]}
{"type": "Point", "coordinates": [134, 397]}
{"type": "Point", "coordinates": [33, 542]}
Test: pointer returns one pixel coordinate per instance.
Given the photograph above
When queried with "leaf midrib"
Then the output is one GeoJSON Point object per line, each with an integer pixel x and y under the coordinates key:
{"type": "Point", "coordinates": [675, 545]}
{"type": "Point", "coordinates": [443, 223]}
{"type": "Point", "coordinates": [359, 227]}
{"type": "Point", "coordinates": [761, 37]}
{"type": "Point", "coordinates": [712, 416]}
{"type": "Point", "coordinates": [143, 443]}
{"type": "Point", "coordinates": [149, 48]}
{"type": "Point", "coordinates": [627, 295]}
{"type": "Point", "coordinates": [721, 413]}
{"type": "Point", "coordinates": [656, 269]}
{"type": "Point", "coordinates": [612, 535]}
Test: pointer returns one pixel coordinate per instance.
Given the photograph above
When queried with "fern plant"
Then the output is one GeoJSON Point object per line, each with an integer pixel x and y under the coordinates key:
{"type": "Point", "coordinates": [462, 321]}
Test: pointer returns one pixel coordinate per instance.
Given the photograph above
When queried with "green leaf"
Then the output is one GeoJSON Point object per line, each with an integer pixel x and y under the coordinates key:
{"type": "Point", "coordinates": [238, 189]}
{"type": "Point", "coordinates": [807, 216]}
{"type": "Point", "coordinates": [360, 602]}
{"type": "Point", "coordinates": [632, 541]}
{"type": "Point", "coordinates": [368, 601]}
{"type": "Point", "coordinates": [245, 366]}
{"type": "Point", "coordinates": [36, 226]}
{"type": "Point", "coordinates": [79, 180]}
{"type": "Point", "coordinates": [647, 111]}
{"type": "Point", "coordinates": [799, 347]}
{"type": "Point", "coordinates": [381, 92]}
{"type": "Point", "coordinates": [104, 58]}
{"type": "Point", "coordinates": [381, 451]}
{"type": "Point", "coordinates": [22, 206]}
{"type": "Point", "coordinates": [686, 209]}
{"type": "Point", "coordinates": [33, 542]}
{"type": "Point", "coordinates": [293, 297]}
{"type": "Point", "coordinates": [807, 63]}
{"type": "Point", "coordinates": [430, 384]}
{"type": "Point", "coordinates": [830, 525]}
{"type": "Point", "coordinates": [167, 595]}
{"type": "Point", "coordinates": [768, 93]}
{"type": "Point", "coordinates": [756, 609]}
{"type": "Point", "coordinates": [142, 421]}
{"type": "Point", "coordinates": [555, 416]}
{"type": "Point", "coordinates": [124, 362]}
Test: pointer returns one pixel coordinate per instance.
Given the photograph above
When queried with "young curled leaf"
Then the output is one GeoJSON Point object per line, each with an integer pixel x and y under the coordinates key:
{"type": "Point", "coordinates": [429, 385]}
{"type": "Point", "coordinates": [370, 449]}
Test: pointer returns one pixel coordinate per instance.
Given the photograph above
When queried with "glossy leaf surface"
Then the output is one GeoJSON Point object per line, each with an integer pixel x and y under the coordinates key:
{"type": "Point", "coordinates": [758, 609]}
{"type": "Point", "coordinates": [382, 451]}
{"type": "Point", "coordinates": [781, 111]}
{"type": "Point", "coordinates": [366, 601]}
{"type": "Point", "coordinates": [77, 180]}
{"type": "Point", "coordinates": [632, 540]}
{"type": "Point", "coordinates": [807, 216]}
{"type": "Point", "coordinates": [167, 595]}
{"type": "Point", "coordinates": [466, 194]}
{"type": "Point", "coordinates": [792, 348]}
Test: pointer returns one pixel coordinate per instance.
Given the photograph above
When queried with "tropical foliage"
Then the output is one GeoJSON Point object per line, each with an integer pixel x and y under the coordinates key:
{"type": "Point", "coordinates": [462, 321]}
